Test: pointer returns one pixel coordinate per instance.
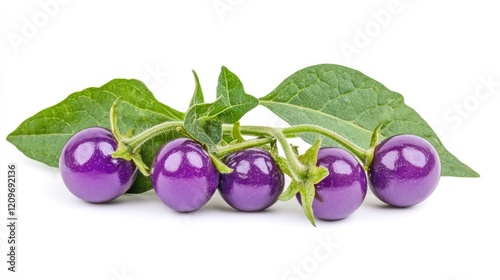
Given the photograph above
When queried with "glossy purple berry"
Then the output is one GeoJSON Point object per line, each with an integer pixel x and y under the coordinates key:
{"type": "Point", "coordinates": [340, 193]}
{"type": "Point", "coordinates": [89, 171]}
{"type": "Point", "coordinates": [184, 177]}
{"type": "Point", "coordinates": [256, 182]}
{"type": "Point", "coordinates": [405, 170]}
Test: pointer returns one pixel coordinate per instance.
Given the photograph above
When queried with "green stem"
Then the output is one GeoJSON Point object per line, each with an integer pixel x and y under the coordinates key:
{"type": "Point", "coordinates": [128, 148]}
{"type": "Point", "coordinates": [222, 151]}
{"type": "Point", "coordinates": [297, 169]}
{"type": "Point", "coordinates": [356, 150]}
{"type": "Point", "coordinates": [135, 142]}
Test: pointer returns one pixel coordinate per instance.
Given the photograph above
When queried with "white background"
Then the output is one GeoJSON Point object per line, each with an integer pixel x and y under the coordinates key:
{"type": "Point", "coordinates": [435, 53]}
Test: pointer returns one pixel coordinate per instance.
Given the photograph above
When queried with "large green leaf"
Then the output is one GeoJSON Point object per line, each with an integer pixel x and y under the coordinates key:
{"type": "Point", "coordinates": [42, 136]}
{"type": "Point", "coordinates": [352, 104]}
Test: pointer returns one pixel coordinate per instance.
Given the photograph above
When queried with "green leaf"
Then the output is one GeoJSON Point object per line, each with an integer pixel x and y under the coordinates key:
{"type": "Point", "coordinates": [232, 94]}
{"type": "Point", "coordinates": [204, 121]}
{"type": "Point", "coordinates": [201, 125]}
{"type": "Point", "coordinates": [42, 136]}
{"type": "Point", "coordinates": [198, 93]}
{"type": "Point", "coordinates": [353, 105]}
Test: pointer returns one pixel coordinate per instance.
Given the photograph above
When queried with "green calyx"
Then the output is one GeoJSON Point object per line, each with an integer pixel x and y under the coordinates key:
{"type": "Point", "coordinates": [305, 186]}
{"type": "Point", "coordinates": [373, 144]}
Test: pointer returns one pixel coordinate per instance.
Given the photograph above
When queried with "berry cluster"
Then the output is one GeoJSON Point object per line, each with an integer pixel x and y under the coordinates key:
{"type": "Point", "coordinates": [404, 170]}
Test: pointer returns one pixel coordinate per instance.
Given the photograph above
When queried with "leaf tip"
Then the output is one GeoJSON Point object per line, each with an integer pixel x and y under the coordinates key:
{"type": "Point", "coordinates": [473, 174]}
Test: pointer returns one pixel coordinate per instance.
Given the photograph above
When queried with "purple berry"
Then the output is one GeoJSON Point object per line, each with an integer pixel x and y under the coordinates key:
{"type": "Point", "coordinates": [256, 182]}
{"type": "Point", "coordinates": [340, 193]}
{"type": "Point", "coordinates": [405, 170]}
{"type": "Point", "coordinates": [184, 177]}
{"type": "Point", "coordinates": [89, 171]}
